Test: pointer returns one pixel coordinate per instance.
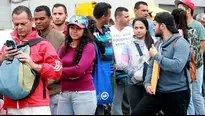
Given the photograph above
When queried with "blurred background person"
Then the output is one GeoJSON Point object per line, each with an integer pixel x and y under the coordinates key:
{"type": "Point", "coordinates": [59, 16]}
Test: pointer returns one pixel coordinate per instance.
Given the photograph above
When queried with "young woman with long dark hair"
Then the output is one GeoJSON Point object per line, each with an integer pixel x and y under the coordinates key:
{"type": "Point", "coordinates": [135, 57]}
{"type": "Point", "coordinates": [78, 96]}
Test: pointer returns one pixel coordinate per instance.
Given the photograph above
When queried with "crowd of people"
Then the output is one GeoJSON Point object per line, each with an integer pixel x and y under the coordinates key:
{"type": "Point", "coordinates": [67, 60]}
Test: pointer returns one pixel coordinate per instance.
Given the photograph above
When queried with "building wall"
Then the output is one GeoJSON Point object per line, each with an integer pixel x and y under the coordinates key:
{"type": "Point", "coordinates": [169, 5]}
{"type": "Point", "coordinates": [5, 21]}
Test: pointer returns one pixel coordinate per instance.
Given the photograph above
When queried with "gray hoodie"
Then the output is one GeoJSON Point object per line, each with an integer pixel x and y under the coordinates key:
{"type": "Point", "coordinates": [172, 61]}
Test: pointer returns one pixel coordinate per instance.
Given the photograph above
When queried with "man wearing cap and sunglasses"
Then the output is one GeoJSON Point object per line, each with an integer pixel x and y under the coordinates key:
{"type": "Point", "coordinates": [172, 92]}
{"type": "Point", "coordinates": [196, 86]}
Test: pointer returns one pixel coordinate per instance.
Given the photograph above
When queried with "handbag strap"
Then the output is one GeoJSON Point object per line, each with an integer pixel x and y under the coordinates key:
{"type": "Point", "coordinates": [97, 58]}
{"type": "Point", "coordinates": [138, 48]}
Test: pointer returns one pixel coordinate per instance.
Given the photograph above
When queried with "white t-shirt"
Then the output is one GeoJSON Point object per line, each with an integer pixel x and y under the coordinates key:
{"type": "Point", "coordinates": [119, 39]}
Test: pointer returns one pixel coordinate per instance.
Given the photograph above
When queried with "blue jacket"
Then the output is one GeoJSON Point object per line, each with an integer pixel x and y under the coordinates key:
{"type": "Point", "coordinates": [172, 61]}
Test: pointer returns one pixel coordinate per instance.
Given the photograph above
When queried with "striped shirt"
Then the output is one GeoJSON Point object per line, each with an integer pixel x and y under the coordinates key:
{"type": "Point", "coordinates": [105, 37]}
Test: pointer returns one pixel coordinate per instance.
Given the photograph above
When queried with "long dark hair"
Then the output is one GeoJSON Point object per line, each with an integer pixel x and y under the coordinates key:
{"type": "Point", "coordinates": [91, 24]}
{"type": "Point", "coordinates": [148, 38]}
{"type": "Point", "coordinates": [84, 40]}
{"type": "Point", "coordinates": [180, 20]}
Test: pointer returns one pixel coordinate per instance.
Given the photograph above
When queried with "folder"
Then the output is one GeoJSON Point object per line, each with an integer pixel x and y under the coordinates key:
{"type": "Point", "coordinates": [155, 76]}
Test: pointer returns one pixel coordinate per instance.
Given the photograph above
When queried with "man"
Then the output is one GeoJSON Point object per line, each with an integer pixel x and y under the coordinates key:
{"type": "Point", "coordinates": [102, 13]}
{"type": "Point", "coordinates": [141, 10]}
{"type": "Point", "coordinates": [42, 17]}
{"type": "Point", "coordinates": [59, 15]}
{"type": "Point", "coordinates": [196, 89]}
{"type": "Point", "coordinates": [121, 33]}
{"type": "Point", "coordinates": [172, 53]}
{"type": "Point", "coordinates": [43, 59]}
{"type": "Point", "coordinates": [201, 18]}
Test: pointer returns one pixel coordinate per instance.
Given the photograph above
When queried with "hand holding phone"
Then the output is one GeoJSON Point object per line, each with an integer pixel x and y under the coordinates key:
{"type": "Point", "coordinates": [12, 44]}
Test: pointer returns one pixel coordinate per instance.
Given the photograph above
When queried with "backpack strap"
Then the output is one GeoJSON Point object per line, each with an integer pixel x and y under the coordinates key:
{"type": "Point", "coordinates": [44, 88]}
{"type": "Point", "coordinates": [138, 49]}
{"type": "Point", "coordinates": [175, 40]}
{"type": "Point", "coordinates": [31, 42]}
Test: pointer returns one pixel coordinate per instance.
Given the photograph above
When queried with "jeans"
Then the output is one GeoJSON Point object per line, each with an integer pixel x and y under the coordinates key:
{"type": "Point", "coordinates": [169, 103]}
{"type": "Point", "coordinates": [191, 110]}
{"type": "Point", "coordinates": [41, 110]}
{"type": "Point", "coordinates": [54, 104]}
{"type": "Point", "coordinates": [125, 104]}
{"type": "Point", "coordinates": [119, 91]}
{"type": "Point", "coordinates": [100, 110]}
{"type": "Point", "coordinates": [197, 98]}
{"type": "Point", "coordinates": [135, 94]}
{"type": "Point", "coordinates": [77, 103]}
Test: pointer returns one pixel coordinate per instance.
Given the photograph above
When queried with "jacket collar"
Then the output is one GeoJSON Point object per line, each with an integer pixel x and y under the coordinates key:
{"type": "Point", "coordinates": [44, 34]}
{"type": "Point", "coordinates": [33, 34]}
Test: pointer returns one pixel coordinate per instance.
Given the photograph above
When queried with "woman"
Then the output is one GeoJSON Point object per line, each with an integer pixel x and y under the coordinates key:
{"type": "Point", "coordinates": [134, 63]}
{"type": "Point", "coordinates": [78, 96]}
{"type": "Point", "coordinates": [191, 35]}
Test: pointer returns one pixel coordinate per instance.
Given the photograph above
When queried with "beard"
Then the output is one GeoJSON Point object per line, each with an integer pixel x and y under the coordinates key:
{"type": "Point", "coordinates": [159, 34]}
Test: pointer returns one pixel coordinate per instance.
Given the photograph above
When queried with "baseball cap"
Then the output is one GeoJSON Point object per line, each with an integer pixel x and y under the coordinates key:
{"type": "Point", "coordinates": [167, 19]}
{"type": "Point", "coordinates": [188, 3]}
{"type": "Point", "coordinates": [79, 20]}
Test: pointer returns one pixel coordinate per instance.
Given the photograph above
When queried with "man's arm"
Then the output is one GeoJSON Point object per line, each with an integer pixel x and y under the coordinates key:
{"type": "Point", "coordinates": [147, 81]}
{"type": "Point", "coordinates": [180, 57]}
{"type": "Point", "coordinates": [201, 32]}
{"type": "Point", "coordinates": [51, 68]}
{"type": "Point", "coordinates": [202, 42]}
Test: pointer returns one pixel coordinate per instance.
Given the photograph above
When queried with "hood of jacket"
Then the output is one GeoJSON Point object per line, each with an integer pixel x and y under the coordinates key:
{"type": "Point", "coordinates": [169, 41]}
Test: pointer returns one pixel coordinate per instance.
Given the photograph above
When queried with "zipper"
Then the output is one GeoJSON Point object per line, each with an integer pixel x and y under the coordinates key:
{"type": "Point", "coordinates": [17, 104]}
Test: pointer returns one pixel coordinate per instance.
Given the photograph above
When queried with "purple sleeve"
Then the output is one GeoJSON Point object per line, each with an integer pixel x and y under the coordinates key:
{"type": "Point", "coordinates": [60, 50]}
{"type": "Point", "coordinates": [84, 64]}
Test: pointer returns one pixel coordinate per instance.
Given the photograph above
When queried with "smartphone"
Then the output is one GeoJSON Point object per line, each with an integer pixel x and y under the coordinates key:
{"type": "Point", "coordinates": [11, 43]}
